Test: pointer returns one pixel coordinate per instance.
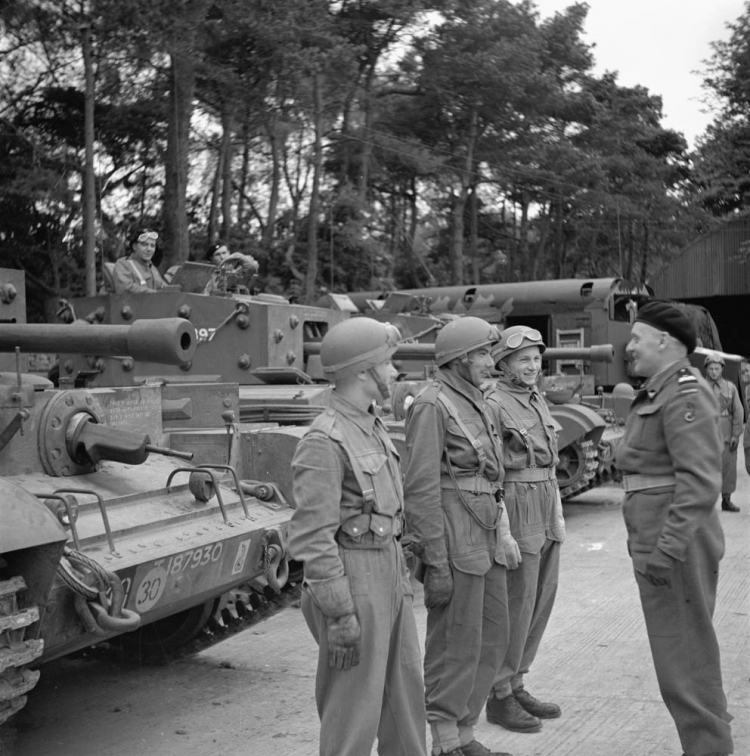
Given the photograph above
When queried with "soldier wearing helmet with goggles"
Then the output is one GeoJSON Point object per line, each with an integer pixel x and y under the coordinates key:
{"type": "Point", "coordinates": [459, 531]}
{"type": "Point", "coordinates": [532, 498]}
{"type": "Point", "coordinates": [136, 273]}
{"type": "Point", "coordinates": [730, 425]}
{"type": "Point", "coordinates": [357, 597]}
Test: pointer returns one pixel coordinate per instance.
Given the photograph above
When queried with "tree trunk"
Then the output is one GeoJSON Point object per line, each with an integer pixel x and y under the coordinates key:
{"type": "Point", "coordinates": [275, 137]}
{"type": "Point", "coordinates": [523, 238]}
{"type": "Point", "coordinates": [366, 145]}
{"type": "Point", "coordinates": [474, 234]}
{"type": "Point", "coordinates": [227, 154]}
{"type": "Point", "coordinates": [459, 203]}
{"type": "Point", "coordinates": [183, 56]}
{"type": "Point", "coordinates": [243, 176]}
{"type": "Point", "coordinates": [312, 218]}
{"type": "Point", "coordinates": [177, 164]}
{"type": "Point", "coordinates": [645, 255]}
{"type": "Point", "coordinates": [213, 211]}
{"type": "Point", "coordinates": [89, 186]}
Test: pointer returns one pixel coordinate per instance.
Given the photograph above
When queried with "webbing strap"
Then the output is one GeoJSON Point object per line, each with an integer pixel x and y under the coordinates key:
{"type": "Point", "coordinates": [475, 442]}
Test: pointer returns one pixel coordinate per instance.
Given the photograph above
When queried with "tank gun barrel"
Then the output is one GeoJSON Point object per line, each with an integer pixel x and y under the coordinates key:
{"type": "Point", "coordinates": [166, 341]}
{"type": "Point", "coordinates": [416, 351]}
{"type": "Point", "coordinates": [166, 452]}
{"type": "Point", "coordinates": [596, 353]}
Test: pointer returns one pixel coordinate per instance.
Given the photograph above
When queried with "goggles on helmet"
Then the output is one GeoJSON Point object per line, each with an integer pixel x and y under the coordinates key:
{"type": "Point", "coordinates": [392, 335]}
{"type": "Point", "coordinates": [527, 334]}
{"type": "Point", "coordinates": [148, 236]}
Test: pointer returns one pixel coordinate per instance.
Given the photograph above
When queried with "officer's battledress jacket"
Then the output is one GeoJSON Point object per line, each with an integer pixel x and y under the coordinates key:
{"type": "Point", "coordinates": [330, 501]}
{"type": "Point", "coordinates": [529, 434]}
{"type": "Point", "coordinates": [437, 522]}
{"type": "Point", "coordinates": [672, 430]}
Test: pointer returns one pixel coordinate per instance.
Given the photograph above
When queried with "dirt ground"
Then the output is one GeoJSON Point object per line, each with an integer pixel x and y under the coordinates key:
{"type": "Point", "coordinates": [253, 694]}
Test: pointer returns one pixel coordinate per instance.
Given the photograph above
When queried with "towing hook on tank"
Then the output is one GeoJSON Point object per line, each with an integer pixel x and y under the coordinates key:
{"type": "Point", "coordinates": [275, 563]}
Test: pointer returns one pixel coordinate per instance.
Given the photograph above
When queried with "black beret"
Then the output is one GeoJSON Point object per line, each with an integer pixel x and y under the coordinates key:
{"type": "Point", "coordinates": [666, 317]}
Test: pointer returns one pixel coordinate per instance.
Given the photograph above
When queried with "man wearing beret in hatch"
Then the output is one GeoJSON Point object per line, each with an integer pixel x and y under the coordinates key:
{"type": "Point", "coordinates": [671, 459]}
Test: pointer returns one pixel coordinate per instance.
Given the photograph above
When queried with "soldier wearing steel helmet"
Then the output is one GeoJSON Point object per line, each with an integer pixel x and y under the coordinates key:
{"type": "Point", "coordinates": [670, 456]}
{"type": "Point", "coordinates": [532, 498]}
{"type": "Point", "coordinates": [730, 425]}
{"type": "Point", "coordinates": [458, 529]}
{"type": "Point", "coordinates": [357, 597]}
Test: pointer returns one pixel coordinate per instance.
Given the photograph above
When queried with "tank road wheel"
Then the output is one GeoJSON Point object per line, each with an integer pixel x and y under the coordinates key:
{"type": "Point", "coordinates": [15, 652]}
{"type": "Point", "coordinates": [159, 640]}
{"type": "Point", "coordinates": [576, 468]}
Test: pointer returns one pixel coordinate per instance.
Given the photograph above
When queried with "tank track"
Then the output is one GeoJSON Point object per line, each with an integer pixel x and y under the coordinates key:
{"type": "Point", "coordinates": [605, 473]}
{"type": "Point", "coordinates": [231, 613]}
{"type": "Point", "coordinates": [587, 453]}
{"type": "Point", "coordinates": [238, 611]}
{"type": "Point", "coordinates": [16, 680]}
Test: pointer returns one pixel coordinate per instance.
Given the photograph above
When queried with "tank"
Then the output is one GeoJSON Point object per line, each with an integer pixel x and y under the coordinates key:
{"type": "Point", "coordinates": [109, 532]}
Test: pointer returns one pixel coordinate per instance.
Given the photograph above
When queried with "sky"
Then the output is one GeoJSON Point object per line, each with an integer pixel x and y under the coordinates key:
{"type": "Point", "coordinates": [658, 44]}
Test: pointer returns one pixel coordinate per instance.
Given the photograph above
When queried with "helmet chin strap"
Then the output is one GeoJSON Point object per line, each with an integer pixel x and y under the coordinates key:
{"type": "Point", "coordinates": [381, 384]}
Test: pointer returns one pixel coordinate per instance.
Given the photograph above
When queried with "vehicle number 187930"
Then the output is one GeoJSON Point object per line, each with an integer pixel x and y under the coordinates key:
{"type": "Point", "coordinates": [193, 559]}
{"type": "Point", "coordinates": [153, 584]}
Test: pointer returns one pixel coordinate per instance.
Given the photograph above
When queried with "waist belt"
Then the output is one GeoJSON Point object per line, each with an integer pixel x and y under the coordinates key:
{"type": "Point", "coordinates": [530, 475]}
{"type": "Point", "coordinates": [642, 482]}
{"type": "Point", "coordinates": [474, 483]}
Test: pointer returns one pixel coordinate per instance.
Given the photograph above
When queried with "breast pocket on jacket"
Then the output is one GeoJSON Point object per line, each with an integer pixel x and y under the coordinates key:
{"type": "Point", "coordinates": [647, 433]}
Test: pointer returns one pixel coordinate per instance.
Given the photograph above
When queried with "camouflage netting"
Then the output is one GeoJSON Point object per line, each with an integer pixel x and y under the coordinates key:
{"type": "Point", "coordinates": [708, 334]}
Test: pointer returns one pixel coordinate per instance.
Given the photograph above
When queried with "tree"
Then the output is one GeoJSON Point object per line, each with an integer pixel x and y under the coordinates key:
{"type": "Point", "coordinates": [722, 158]}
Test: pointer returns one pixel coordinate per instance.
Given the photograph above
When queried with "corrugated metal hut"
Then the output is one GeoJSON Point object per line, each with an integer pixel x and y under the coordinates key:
{"type": "Point", "coordinates": [714, 271]}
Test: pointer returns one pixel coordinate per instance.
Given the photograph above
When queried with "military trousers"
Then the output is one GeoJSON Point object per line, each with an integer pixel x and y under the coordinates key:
{"type": "Point", "coordinates": [383, 696]}
{"type": "Point", "coordinates": [679, 622]}
{"type": "Point", "coordinates": [464, 646]}
{"type": "Point", "coordinates": [532, 589]}
{"type": "Point", "coordinates": [728, 470]}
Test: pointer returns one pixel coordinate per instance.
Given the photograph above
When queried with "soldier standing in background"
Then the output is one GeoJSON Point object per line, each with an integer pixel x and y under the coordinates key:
{"type": "Point", "coordinates": [670, 455]}
{"type": "Point", "coordinates": [459, 530]}
{"type": "Point", "coordinates": [532, 499]}
{"type": "Point", "coordinates": [357, 596]}
{"type": "Point", "coordinates": [730, 426]}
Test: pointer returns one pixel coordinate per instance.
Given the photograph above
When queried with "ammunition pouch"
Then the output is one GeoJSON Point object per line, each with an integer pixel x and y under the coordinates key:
{"type": "Point", "coordinates": [369, 531]}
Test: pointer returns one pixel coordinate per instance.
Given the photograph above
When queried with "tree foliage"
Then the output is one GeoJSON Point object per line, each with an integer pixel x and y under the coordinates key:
{"type": "Point", "coordinates": [350, 145]}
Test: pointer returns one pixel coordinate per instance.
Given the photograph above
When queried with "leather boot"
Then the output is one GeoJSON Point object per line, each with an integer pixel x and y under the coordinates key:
{"type": "Point", "coordinates": [507, 713]}
{"type": "Point", "coordinates": [726, 504]}
{"type": "Point", "coordinates": [475, 748]}
{"type": "Point", "coordinates": [536, 707]}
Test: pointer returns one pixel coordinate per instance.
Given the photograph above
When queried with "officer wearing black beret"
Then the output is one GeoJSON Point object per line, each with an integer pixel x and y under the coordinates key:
{"type": "Point", "coordinates": [670, 457]}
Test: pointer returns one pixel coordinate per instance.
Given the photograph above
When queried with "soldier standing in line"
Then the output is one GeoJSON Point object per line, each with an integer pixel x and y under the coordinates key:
{"type": "Point", "coordinates": [670, 455]}
{"type": "Point", "coordinates": [532, 499]}
{"type": "Point", "coordinates": [459, 530]}
{"type": "Point", "coordinates": [730, 426]}
{"type": "Point", "coordinates": [357, 596]}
